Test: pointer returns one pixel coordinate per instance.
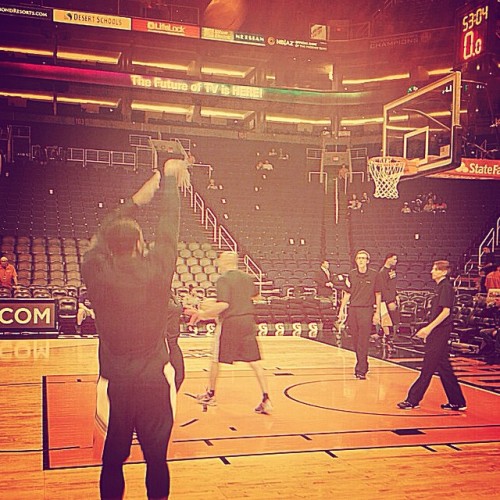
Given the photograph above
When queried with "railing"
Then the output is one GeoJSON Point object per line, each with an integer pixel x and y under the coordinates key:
{"type": "Point", "coordinates": [209, 168]}
{"type": "Point", "coordinates": [211, 222]}
{"type": "Point", "coordinates": [219, 234]}
{"type": "Point", "coordinates": [497, 237]}
{"type": "Point", "coordinates": [101, 157]}
{"type": "Point", "coordinates": [323, 178]}
{"type": "Point", "coordinates": [488, 240]}
{"type": "Point", "coordinates": [224, 238]}
{"type": "Point", "coordinates": [253, 269]}
{"type": "Point", "coordinates": [199, 206]}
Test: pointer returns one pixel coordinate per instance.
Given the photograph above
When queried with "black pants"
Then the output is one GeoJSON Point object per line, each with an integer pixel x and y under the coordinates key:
{"type": "Point", "coordinates": [145, 408]}
{"type": "Point", "coordinates": [360, 327]}
{"type": "Point", "coordinates": [436, 359]}
{"type": "Point", "coordinates": [177, 361]}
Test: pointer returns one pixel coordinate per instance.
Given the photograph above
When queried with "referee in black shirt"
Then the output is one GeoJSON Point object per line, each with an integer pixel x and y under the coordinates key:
{"type": "Point", "coordinates": [436, 335]}
{"type": "Point", "coordinates": [361, 298]}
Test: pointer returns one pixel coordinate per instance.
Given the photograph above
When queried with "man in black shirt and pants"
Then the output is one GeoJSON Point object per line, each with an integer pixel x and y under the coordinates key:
{"type": "Point", "coordinates": [436, 335]}
{"type": "Point", "coordinates": [129, 290]}
{"type": "Point", "coordinates": [361, 298]}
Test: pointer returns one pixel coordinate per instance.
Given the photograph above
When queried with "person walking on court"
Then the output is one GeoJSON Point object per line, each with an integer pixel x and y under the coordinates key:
{"type": "Point", "coordinates": [436, 335]}
{"type": "Point", "coordinates": [361, 297]}
{"type": "Point", "coordinates": [235, 338]}
{"type": "Point", "coordinates": [129, 289]}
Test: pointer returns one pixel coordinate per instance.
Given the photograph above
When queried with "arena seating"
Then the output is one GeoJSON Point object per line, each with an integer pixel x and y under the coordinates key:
{"type": "Point", "coordinates": [420, 238]}
{"type": "Point", "coordinates": [48, 213]}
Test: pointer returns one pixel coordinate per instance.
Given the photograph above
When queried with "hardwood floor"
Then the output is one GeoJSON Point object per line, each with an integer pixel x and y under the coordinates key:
{"type": "Point", "coordinates": [331, 436]}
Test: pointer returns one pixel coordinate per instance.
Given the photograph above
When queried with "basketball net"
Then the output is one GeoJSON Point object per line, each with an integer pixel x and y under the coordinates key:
{"type": "Point", "coordinates": [386, 172]}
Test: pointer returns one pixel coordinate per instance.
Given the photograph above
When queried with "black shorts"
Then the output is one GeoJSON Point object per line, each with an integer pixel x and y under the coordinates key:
{"type": "Point", "coordinates": [237, 340]}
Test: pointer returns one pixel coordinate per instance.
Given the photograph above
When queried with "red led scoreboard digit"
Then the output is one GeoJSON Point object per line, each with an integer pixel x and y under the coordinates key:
{"type": "Point", "coordinates": [472, 28]}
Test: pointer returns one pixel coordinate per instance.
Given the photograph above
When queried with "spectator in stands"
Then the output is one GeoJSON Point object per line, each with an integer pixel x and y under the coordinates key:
{"type": "Point", "coordinates": [129, 291]}
{"type": "Point", "coordinates": [436, 336]}
{"type": "Point", "coordinates": [441, 206]}
{"type": "Point", "coordinates": [365, 201]}
{"type": "Point", "coordinates": [85, 317]}
{"type": "Point", "coordinates": [360, 294]}
{"type": "Point", "coordinates": [267, 165]}
{"type": "Point", "coordinates": [212, 185]}
{"type": "Point", "coordinates": [406, 208]}
{"type": "Point", "coordinates": [487, 261]}
{"type": "Point", "coordinates": [283, 156]}
{"type": "Point", "coordinates": [493, 279]}
{"type": "Point", "coordinates": [237, 339]}
{"type": "Point", "coordinates": [429, 206]}
{"type": "Point", "coordinates": [417, 205]}
{"type": "Point", "coordinates": [343, 172]}
{"type": "Point", "coordinates": [354, 204]}
{"type": "Point", "coordinates": [273, 152]}
{"type": "Point", "coordinates": [8, 273]}
{"type": "Point", "coordinates": [324, 285]}
{"type": "Point", "coordinates": [487, 266]}
{"type": "Point", "coordinates": [259, 165]}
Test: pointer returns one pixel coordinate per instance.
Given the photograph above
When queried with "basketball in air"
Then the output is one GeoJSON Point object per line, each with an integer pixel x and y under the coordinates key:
{"type": "Point", "coordinates": [225, 14]}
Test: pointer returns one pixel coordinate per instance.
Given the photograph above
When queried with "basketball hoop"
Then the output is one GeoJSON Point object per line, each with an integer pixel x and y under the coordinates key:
{"type": "Point", "coordinates": [386, 172]}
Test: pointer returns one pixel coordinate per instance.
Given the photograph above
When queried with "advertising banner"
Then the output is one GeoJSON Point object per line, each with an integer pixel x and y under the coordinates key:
{"type": "Point", "coordinates": [27, 315]}
{"type": "Point", "coordinates": [165, 28]}
{"type": "Point", "coordinates": [89, 19]}
{"type": "Point", "coordinates": [249, 39]}
{"type": "Point", "coordinates": [472, 168]}
{"type": "Point", "coordinates": [296, 44]}
{"type": "Point", "coordinates": [29, 12]}
{"type": "Point", "coordinates": [156, 83]}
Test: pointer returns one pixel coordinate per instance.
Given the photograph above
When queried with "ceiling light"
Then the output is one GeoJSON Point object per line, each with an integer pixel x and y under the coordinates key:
{"type": "Point", "coordinates": [224, 113]}
{"type": "Point", "coordinates": [350, 122]}
{"type": "Point", "coordinates": [173, 109]}
{"type": "Point", "coordinates": [401, 76]}
{"type": "Point", "coordinates": [25, 50]}
{"type": "Point", "coordinates": [224, 70]}
{"type": "Point", "coordinates": [297, 119]}
{"type": "Point", "coordinates": [164, 65]}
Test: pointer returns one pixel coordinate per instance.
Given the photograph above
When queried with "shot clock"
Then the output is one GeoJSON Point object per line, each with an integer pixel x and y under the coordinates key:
{"type": "Point", "coordinates": [475, 24]}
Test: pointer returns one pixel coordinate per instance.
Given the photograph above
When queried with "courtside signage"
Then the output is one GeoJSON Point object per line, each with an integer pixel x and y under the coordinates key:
{"type": "Point", "coordinates": [89, 19]}
{"type": "Point", "coordinates": [473, 168]}
{"type": "Point", "coordinates": [27, 315]}
{"type": "Point", "coordinates": [166, 28]}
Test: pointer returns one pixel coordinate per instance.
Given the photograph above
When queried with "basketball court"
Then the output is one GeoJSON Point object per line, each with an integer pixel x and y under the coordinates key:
{"type": "Point", "coordinates": [321, 412]}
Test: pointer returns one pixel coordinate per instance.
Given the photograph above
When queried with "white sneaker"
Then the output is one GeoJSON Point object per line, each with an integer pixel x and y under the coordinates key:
{"type": "Point", "coordinates": [265, 407]}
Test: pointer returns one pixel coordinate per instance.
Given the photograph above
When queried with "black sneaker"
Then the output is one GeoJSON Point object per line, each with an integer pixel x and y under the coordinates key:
{"type": "Point", "coordinates": [449, 406]}
{"type": "Point", "coordinates": [406, 405]}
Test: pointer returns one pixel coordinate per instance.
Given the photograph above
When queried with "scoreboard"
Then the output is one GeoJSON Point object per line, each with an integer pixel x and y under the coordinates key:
{"type": "Point", "coordinates": [475, 30]}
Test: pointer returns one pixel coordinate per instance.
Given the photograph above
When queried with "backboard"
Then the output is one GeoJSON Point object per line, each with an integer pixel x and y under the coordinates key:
{"type": "Point", "coordinates": [424, 127]}
{"type": "Point", "coordinates": [166, 150]}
